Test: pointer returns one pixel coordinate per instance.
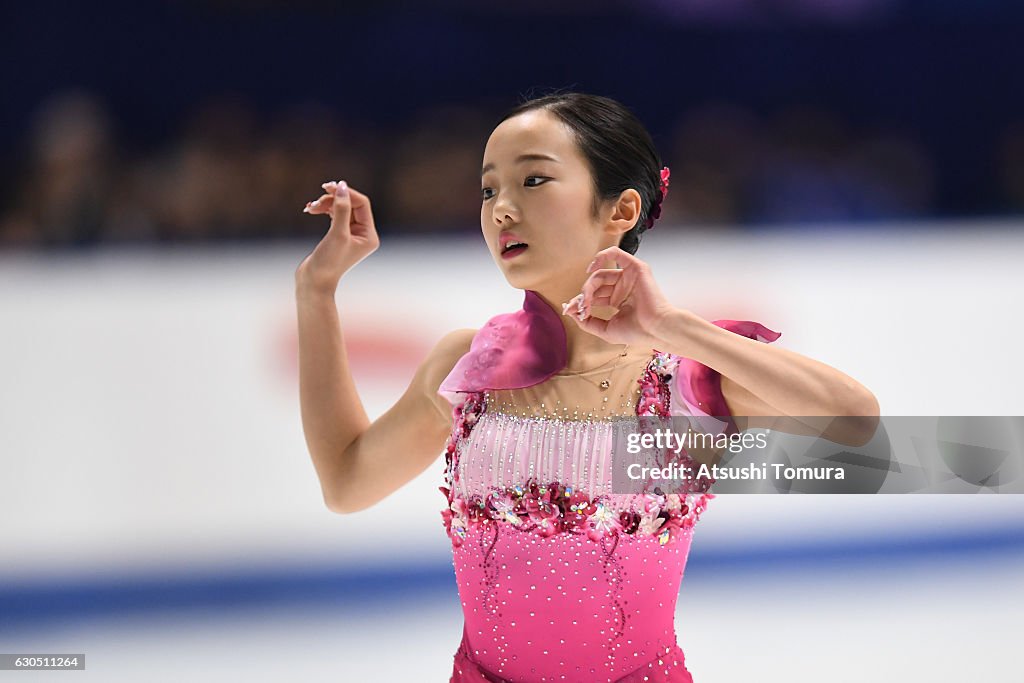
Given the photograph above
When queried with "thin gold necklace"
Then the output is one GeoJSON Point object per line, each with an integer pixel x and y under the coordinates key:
{"type": "Point", "coordinates": [604, 383]}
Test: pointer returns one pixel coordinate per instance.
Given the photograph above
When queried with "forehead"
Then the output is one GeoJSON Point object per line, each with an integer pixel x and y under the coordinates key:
{"type": "Point", "coordinates": [536, 131]}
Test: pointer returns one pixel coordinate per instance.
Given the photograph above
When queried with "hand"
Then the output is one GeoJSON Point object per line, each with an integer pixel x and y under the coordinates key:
{"type": "Point", "coordinates": [624, 282]}
{"type": "Point", "coordinates": [351, 237]}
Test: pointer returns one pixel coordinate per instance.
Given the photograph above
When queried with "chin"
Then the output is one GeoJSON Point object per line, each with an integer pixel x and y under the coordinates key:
{"type": "Point", "coordinates": [520, 278]}
{"type": "Point", "coordinates": [520, 281]}
{"type": "Point", "coordinates": [529, 274]}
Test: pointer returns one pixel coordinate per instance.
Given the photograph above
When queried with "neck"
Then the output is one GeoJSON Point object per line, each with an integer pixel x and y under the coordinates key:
{"type": "Point", "coordinates": [581, 346]}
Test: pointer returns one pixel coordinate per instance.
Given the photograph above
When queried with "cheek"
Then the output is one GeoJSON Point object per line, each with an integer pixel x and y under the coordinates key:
{"type": "Point", "coordinates": [575, 209]}
{"type": "Point", "coordinates": [488, 230]}
{"type": "Point", "coordinates": [485, 228]}
{"type": "Point", "coordinates": [564, 212]}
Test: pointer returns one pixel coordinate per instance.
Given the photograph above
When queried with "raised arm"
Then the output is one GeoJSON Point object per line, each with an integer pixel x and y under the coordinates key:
{"type": "Point", "coordinates": [400, 444]}
{"type": "Point", "coordinates": [358, 462]}
{"type": "Point", "coordinates": [762, 386]}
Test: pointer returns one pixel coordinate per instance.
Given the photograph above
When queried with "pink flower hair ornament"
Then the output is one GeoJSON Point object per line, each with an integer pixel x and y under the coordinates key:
{"type": "Point", "coordinates": [655, 212]}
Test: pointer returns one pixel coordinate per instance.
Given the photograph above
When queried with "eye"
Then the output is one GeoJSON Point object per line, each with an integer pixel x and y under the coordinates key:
{"type": "Point", "coordinates": [483, 192]}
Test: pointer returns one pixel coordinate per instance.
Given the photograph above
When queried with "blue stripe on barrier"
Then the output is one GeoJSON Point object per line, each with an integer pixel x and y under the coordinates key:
{"type": "Point", "coordinates": [41, 605]}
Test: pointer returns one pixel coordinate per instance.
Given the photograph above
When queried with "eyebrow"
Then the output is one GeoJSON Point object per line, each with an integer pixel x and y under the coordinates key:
{"type": "Point", "coordinates": [521, 158]}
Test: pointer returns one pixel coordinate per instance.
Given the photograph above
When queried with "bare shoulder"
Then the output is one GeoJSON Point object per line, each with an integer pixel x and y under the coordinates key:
{"type": "Point", "coordinates": [440, 361]}
{"type": "Point", "coordinates": [448, 350]}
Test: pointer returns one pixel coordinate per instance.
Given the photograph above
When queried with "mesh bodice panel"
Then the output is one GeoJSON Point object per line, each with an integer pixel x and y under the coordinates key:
{"type": "Point", "coordinates": [597, 394]}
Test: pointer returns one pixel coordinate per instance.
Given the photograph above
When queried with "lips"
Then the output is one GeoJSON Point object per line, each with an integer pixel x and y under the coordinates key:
{"type": "Point", "coordinates": [511, 245]}
{"type": "Point", "coordinates": [508, 238]}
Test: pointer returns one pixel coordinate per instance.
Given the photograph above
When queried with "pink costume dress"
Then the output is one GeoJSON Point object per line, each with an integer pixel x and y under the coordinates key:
{"type": "Point", "coordinates": [560, 578]}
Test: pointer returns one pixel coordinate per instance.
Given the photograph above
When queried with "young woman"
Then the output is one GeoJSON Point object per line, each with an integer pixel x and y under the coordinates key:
{"type": "Point", "coordinates": [560, 577]}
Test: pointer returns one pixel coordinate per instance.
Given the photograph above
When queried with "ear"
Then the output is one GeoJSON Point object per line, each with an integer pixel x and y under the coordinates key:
{"type": "Point", "coordinates": [625, 212]}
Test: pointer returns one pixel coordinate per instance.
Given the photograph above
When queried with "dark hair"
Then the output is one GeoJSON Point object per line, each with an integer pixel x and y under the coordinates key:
{"type": "Point", "coordinates": [617, 147]}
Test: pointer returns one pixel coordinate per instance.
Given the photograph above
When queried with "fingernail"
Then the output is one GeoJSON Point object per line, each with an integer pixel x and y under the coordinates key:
{"type": "Point", "coordinates": [342, 189]}
{"type": "Point", "coordinates": [306, 210]}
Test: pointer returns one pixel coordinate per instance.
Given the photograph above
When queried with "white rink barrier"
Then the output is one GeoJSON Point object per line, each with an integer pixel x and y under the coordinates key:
{"type": "Point", "coordinates": [149, 414]}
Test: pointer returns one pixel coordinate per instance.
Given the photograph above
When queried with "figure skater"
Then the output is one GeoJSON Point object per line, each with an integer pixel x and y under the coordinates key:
{"type": "Point", "coordinates": [560, 578]}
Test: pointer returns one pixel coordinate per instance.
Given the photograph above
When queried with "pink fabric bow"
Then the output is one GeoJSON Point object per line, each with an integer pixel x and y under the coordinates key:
{"type": "Point", "coordinates": [520, 349]}
{"type": "Point", "coordinates": [511, 351]}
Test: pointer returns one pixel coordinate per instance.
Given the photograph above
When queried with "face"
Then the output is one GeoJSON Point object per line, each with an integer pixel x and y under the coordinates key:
{"type": "Point", "coordinates": [545, 203]}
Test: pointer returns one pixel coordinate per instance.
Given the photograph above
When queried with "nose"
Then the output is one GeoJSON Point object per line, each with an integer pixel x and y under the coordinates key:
{"type": "Point", "coordinates": [503, 212]}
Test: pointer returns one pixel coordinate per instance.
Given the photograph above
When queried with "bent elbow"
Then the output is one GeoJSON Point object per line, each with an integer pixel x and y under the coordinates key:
{"type": "Point", "coordinates": [870, 406]}
{"type": "Point", "coordinates": [346, 504]}
{"type": "Point", "coordinates": [334, 505]}
{"type": "Point", "coordinates": [339, 504]}
{"type": "Point", "coordinates": [863, 431]}
{"type": "Point", "coordinates": [863, 422]}
{"type": "Point", "coordinates": [870, 413]}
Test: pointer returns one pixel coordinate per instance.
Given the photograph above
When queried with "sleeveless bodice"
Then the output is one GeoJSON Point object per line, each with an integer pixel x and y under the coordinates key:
{"type": "Point", "coordinates": [561, 575]}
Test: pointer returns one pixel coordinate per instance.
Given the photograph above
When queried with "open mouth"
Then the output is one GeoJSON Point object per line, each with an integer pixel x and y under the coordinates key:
{"type": "Point", "coordinates": [513, 249]}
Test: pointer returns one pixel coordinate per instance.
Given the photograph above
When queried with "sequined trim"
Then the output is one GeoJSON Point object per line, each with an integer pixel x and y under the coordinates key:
{"type": "Point", "coordinates": [655, 395]}
{"type": "Point", "coordinates": [464, 416]}
{"type": "Point", "coordinates": [540, 419]}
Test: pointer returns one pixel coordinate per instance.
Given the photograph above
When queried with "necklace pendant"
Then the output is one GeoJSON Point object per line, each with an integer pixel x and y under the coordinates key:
{"type": "Point", "coordinates": [605, 384]}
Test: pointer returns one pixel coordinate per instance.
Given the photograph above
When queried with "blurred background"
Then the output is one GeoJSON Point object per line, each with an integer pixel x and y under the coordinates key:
{"type": "Point", "coordinates": [847, 172]}
{"type": "Point", "coordinates": [132, 122]}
